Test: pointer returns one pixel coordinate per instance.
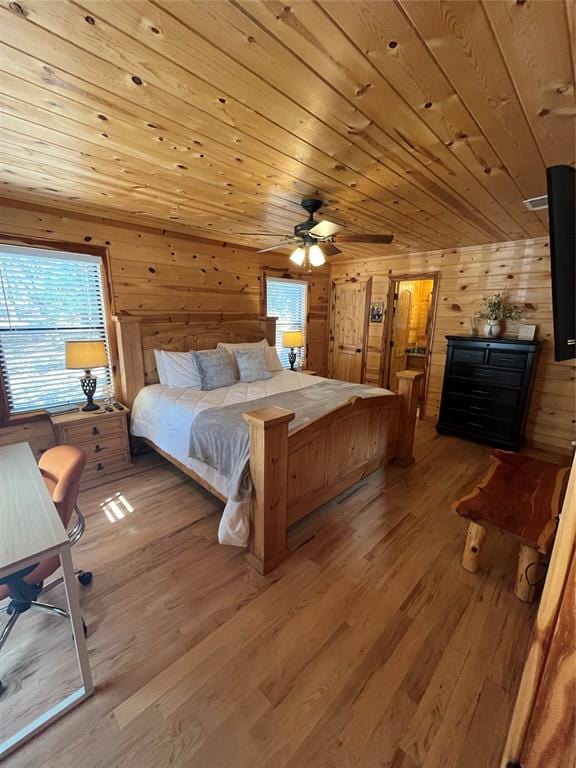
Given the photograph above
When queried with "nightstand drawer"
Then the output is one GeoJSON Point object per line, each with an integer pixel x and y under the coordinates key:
{"type": "Point", "coordinates": [102, 466]}
{"type": "Point", "coordinates": [104, 446]}
{"type": "Point", "coordinates": [91, 430]}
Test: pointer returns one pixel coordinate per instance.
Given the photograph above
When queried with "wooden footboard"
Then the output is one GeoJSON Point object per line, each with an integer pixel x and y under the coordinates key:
{"type": "Point", "coordinates": [293, 474]}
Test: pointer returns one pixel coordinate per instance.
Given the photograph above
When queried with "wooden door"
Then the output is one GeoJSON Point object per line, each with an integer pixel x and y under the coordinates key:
{"type": "Point", "coordinates": [400, 329]}
{"type": "Point", "coordinates": [348, 328]}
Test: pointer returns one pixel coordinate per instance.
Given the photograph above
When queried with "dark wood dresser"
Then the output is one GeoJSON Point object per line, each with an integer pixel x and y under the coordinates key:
{"type": "Point", "coordinates": [486, 389]}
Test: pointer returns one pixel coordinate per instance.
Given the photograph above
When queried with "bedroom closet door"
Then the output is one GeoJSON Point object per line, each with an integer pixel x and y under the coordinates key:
{"type": "Point", "coordinates": [348, 328]}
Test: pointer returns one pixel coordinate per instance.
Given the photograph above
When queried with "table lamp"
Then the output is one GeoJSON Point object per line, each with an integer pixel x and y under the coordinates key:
{"type": "Point", "coordinates": [86, 355]}
{"type": "Point", "coordinates": [292, 339]}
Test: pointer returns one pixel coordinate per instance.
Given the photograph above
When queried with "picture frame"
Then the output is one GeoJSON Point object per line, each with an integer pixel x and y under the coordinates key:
{"type": "Point", "coordinates": [526, 332]}
{"type": "Point", "coordinates": [377, 312]}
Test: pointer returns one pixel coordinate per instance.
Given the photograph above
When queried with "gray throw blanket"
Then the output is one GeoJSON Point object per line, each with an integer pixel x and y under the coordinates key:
{"type": "Point", "coordinates": [220, 436]}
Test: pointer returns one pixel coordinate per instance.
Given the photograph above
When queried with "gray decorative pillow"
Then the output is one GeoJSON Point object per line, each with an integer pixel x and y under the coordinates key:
{"type": "Point", "coordinates": [215, 368]}
{"type": "Point", "coordinates": [252, 364]}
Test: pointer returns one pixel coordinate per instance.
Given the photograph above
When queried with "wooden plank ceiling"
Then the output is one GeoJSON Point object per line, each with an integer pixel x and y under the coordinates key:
{"type": "Point", "coordinates": [430, 119]}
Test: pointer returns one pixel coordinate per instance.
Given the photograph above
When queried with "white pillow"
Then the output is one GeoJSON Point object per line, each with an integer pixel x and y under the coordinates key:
{"type": "Point", "coordinates": [273, 360]}
{"type": "Point", "coordinates": [160, 367]}
{"type": "Point", "coordinates": [245, 345]}
{"type": "Point", "coordinates": [177, 369]}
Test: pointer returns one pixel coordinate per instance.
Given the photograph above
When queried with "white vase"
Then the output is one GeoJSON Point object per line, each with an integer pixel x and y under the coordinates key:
{"type": "Point", "coordinates": [493, 329]}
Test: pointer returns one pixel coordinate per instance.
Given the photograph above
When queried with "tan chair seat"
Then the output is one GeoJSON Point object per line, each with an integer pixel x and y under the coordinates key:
{"type": "Point", "coordinates": [42, 571]}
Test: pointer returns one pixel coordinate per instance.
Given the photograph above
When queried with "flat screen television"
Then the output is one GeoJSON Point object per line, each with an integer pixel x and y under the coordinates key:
{"type": "Point", "coordinates": [561, 181]}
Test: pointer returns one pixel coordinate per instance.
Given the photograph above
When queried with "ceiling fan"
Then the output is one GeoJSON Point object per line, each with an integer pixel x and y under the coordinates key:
{"type": "Point", "coordinates": [315, 239]}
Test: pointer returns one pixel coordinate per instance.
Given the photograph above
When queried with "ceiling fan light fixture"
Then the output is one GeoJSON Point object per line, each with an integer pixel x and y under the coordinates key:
{"type": "Point", "coordinates": [316, 256]}
{"type": "Point", "coordinates": [298, 256]}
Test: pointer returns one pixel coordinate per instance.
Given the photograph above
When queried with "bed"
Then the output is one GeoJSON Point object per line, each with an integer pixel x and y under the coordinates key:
{"type": "Point", "coordinates": [293, 472]}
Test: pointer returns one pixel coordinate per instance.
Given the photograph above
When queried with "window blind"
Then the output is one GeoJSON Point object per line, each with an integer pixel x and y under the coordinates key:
{"type": "Point", "coordinates": [287, 300]}
{"type": "Point", "coordinates": [47, 298]}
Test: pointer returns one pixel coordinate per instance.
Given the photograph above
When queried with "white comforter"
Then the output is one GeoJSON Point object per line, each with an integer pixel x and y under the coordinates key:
{"type": "Point", "coordinates": [165, 415]}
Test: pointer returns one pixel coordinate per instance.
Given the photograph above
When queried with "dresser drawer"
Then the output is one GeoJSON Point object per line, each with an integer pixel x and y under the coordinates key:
{"type": "Point", "coordinates": [464, 355]}
{"type": "Point", "coordinates": [484, 373]}
{"type": "Point", "coordinates": [483, 407]}
{"type": "Point", "coordinates": [483, 391]}
{"type": "Point", "coordinates": [90, 431]}
{"type": "Point", "coordinates": [102, 466]}
{"type": "Point", "coordinates": [503, 359]}
{"type": "Point", "coordinates": [479, 425]}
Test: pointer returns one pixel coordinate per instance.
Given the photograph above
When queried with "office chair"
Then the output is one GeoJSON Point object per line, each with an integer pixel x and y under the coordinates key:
{"type": "Point", "coordinates": [61, 469]}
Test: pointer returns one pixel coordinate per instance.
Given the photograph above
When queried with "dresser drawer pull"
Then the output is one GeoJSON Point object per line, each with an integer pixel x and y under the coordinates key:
{"type": "Point", "coordinates": [478, 408]}
{"type": "Point", "coordinates": [97, 448]}
{"type": "Point", "coordinates": [99, 467]}
{"type": "Point", "coordinates": [475, 424]}
{"type": "Point", "coordinates": [480, 392]}
{"type": "Point", "coordinates": [95, 431]}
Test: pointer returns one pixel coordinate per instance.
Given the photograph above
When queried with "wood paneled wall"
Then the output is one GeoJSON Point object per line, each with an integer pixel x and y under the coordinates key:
{"type": "Point", "coordinates": [521, 270]}
{"type": "Point", "coordinates": [156, 271]}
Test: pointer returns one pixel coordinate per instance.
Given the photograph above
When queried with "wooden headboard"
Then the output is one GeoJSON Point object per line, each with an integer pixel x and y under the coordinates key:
{"type": "Point", "coordinates": [138, 337]}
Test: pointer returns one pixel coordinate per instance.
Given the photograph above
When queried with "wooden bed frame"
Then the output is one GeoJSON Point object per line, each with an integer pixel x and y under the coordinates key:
{"type": "Point", "coordinates": [292, 474]}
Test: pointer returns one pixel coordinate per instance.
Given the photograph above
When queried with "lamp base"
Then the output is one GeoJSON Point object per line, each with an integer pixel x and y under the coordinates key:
{"type": "Point", "coordinates": [88, 384]}
{"type": "Point", "coordinates": [292, 358]}
{"type": "Point", "coordinates": [90, 407]}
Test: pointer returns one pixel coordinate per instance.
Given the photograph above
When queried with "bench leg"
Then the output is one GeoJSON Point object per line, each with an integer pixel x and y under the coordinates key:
{"type": "Point", "coordinates": [528, 574]}
{"type": "Point", "coordinates": [474, 540]}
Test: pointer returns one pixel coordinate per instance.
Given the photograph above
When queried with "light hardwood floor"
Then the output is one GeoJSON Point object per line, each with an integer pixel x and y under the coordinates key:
{"type": "Point", "coordinates": [369, 648]}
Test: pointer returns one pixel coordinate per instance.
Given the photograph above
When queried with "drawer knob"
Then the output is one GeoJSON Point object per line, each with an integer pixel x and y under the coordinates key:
{"type": "Point", "coordinates": [95, 431]}
{"type": "Point", "coordinates": [97, 448]}
{"type": "Point", "coordinates": [99, 467]}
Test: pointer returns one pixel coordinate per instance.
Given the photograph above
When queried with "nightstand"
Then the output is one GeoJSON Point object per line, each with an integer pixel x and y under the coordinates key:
{"type": "Point", "coordinates": [102, 435]}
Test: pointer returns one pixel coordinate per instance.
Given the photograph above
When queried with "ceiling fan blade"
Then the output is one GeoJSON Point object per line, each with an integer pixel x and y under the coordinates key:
{"type": "Point", "coordinates": [325, 229]}
{"type": "Point", "coordinates": [285, 244]}
{"type": "Point", "coordinates": [330, 249]}
{"type": "Point", "coordinates": [263, 234]}
{"type": "Point", "coordinates": [385, 239]}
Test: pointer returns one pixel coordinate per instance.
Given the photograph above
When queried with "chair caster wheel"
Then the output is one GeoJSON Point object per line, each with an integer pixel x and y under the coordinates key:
{"type": "Point", "coordinates": [85, 578]}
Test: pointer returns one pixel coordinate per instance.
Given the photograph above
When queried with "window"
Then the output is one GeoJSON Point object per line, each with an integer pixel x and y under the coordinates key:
{"type": "Point", "coordinates": [287, 300]}
{"type": "Point", "coordinates": [47, 298]}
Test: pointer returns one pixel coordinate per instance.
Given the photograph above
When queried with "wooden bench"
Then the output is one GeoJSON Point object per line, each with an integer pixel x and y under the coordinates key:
{"type": "Point", "coordinates": [522, 497]}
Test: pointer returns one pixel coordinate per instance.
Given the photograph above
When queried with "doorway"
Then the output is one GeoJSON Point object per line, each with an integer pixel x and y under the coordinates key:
{"type": "Point", "coordinates": [410, 328]}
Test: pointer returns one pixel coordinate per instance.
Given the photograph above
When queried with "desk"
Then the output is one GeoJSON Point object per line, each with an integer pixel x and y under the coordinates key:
{"type": "Point", "coordinates": [30, 531]}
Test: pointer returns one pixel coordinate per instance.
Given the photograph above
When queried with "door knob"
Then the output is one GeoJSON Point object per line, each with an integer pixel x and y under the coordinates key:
{"type": "Point", "coordinates": [358, 350]}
